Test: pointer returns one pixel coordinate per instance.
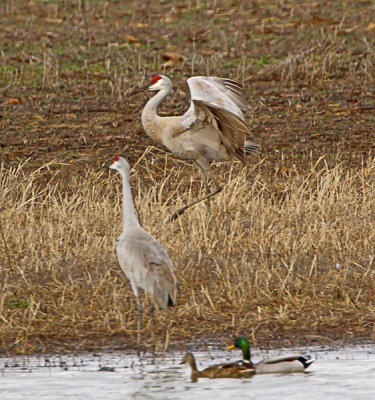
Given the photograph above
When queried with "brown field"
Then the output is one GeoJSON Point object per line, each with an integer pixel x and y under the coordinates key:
{"type": "Point", "coordinates": [286, 253]}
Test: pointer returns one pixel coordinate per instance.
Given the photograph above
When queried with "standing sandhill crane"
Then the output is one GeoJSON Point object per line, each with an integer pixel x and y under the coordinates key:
{"type": "Point", "coordinates": [142, 258]}
{"type": "Point", "coordinates": [212, 129]}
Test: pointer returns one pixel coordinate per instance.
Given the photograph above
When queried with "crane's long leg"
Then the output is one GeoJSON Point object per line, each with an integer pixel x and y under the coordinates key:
{"type": "Point", "coordinates": [152, 325]}
{"type": "Point", "coordinates": [139, 326]}
{"type": "Point", "coordinates": [203, 173]}
{"type": "Point", "coordinates": [203, 168]}
{"type": "Point", "coordinates": [206, 185]}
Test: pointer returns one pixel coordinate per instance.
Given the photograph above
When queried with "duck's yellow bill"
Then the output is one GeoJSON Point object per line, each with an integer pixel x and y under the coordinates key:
{"type": "Point", "coordinates": [231, 347]}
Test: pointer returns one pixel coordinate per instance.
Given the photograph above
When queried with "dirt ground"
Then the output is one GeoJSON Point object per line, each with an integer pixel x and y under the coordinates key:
{"type": "Point", "coordinates": [67, 67]}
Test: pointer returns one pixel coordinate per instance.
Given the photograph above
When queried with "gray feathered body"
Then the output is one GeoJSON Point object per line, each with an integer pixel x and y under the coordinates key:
{"type": "Point", "coordinates": [147, 265]}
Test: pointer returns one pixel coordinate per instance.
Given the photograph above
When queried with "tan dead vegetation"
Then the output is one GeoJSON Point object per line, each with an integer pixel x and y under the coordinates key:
{"type": "Point", "coordinates": [288, 255]}
{"type": "Point", "coordinates": [286, 252]}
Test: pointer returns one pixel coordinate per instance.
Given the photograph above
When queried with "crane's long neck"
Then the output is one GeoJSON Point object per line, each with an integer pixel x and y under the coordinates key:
{"type": "Point", "coordinates": [129, 214]}
{"type": "Point", "coordinates": [150, 117]}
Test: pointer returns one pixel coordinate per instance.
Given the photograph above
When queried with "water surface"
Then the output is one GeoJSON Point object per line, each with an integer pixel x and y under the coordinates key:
{"type": "Point", "coordinates": [347, 373]}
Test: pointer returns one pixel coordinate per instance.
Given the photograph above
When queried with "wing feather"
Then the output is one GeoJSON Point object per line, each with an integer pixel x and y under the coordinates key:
{"type": "Point", "coordinates": [147, 265]}
{"type": "Point", "coordinates": [218, 102]}
{"type": "Point", "coordinates": [218, 92]}
{"type": "Point", "coordinates": [231, 129]}
{"type": "Point", "coordinates": [236, 89]}
{"type": "Point", "coordinates": [160, 277]}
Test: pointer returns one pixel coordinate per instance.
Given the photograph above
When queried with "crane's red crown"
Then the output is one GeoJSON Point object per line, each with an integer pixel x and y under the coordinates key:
{"type": "Point", "coordinates": [115, 158]}
{"type": "Point", "coordinates": [155, 79]}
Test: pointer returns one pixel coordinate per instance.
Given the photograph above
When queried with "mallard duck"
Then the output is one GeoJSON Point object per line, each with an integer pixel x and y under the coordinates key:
{"type": "Point", "coordinates": [292, 363]}
{"type": "Point", "coordinates": [238, 369]}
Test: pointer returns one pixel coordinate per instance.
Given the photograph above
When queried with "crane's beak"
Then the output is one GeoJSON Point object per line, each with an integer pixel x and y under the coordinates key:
{"type": "Point", "coordinates": [101, 168]}
{"type": "Point", "coordinates": [139, 89]}
{"type": "Point", "coordinates": [231, 347]}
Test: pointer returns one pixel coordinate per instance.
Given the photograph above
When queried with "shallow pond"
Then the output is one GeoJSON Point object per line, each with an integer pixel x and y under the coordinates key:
{"type": "Point", "coordinates": [347, 373]}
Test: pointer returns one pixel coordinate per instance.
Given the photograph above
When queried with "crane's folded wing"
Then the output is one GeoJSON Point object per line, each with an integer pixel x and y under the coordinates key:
{"type": "Point", "coordinates": [147, 264]}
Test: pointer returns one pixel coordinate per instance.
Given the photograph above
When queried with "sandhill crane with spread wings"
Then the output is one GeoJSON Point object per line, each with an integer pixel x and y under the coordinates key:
{"type": "Point", "coordinates": [141, 257]}
{"type": "Point", "coordinates": [212, 129]}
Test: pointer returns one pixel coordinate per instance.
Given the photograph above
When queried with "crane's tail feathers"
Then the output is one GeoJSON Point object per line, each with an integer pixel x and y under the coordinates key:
{"type": "Point", "coordinates": [251, 147]}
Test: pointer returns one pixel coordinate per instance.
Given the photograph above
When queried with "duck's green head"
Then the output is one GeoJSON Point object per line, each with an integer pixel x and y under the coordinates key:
{"type": "Point", "coordinates": [242, 344]}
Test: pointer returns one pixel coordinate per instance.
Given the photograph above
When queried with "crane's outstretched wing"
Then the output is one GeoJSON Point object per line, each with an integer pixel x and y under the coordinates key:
{"type": "Point", "coordinates": [220, 93]}
{"type": "Point", "coordinates": [218, 102]}
{"type": "Point", "coordinates": [231, 129]}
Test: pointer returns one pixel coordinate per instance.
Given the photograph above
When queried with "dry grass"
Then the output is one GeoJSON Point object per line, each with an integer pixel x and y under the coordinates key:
{"type": "Point", "coordinates": [286, 252]}
{"type": "Point", "coordinates": [285, 256]}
